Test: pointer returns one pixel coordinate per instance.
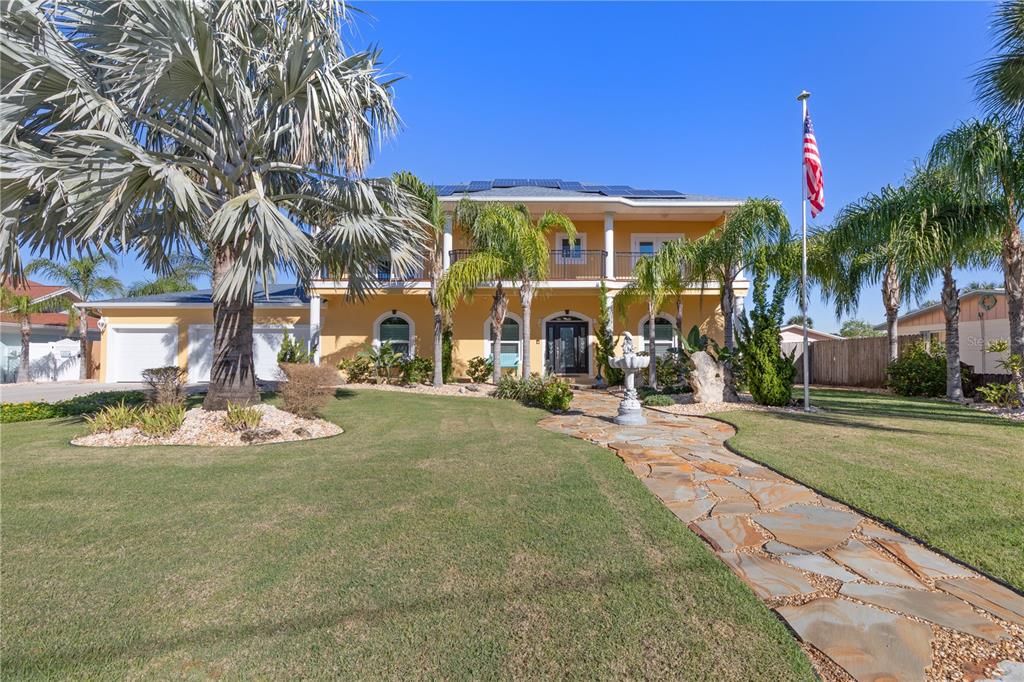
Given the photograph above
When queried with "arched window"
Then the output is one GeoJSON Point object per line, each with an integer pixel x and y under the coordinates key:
{"type": "Point", "coordinates": [664, 335]}
{"type": "Point", "coordinates": [511, 345]}
{"type": "Point", "coordinates": [396, 329]}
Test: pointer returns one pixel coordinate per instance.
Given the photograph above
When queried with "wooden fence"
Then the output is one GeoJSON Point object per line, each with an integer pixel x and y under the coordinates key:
{"type": "Point", "coordinates": [850, 362]}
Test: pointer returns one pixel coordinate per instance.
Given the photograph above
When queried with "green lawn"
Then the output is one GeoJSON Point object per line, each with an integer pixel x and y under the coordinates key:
{"type": "Point", "coordinates": [438, 537]}
{"type": "Point", "coordinates": [949, 475]}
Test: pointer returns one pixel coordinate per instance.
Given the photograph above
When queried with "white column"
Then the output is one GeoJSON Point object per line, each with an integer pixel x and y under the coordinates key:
{"type": "Point", "coordinates": [609, 245]}
{"type": "Point", "coordinates": [446, 242]}
{"type": "Point", "coordinates": [314, 327]}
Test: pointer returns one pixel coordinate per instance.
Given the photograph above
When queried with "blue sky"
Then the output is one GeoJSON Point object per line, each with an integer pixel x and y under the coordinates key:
{"type": "Point", "coordinates": [694, 97]}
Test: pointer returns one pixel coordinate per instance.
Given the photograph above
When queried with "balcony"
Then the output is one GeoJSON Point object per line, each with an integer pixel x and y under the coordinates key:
{"type": "Point", "coordinates": [563, 263]}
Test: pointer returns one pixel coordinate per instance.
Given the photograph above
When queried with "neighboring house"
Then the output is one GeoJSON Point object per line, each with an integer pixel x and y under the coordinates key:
{"type": "Point", "coordinates": [53, 350]}
{"type": "Point", "coordinates": [616, 225]}
{"type": "Point", "coordinates": [794, 333]}
{"type": "Point", "coordinates": [983, 319]}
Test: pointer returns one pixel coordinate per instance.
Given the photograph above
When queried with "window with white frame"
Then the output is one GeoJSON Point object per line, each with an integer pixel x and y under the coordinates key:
{"type": "Point", "coordinates": [511, 344]}
{"type": "Point", "coordinates": [398, 331]}
{"type": "Point", "coordinates": [664, 335]}
{"type": "Point", "coordinates": [570, 250]}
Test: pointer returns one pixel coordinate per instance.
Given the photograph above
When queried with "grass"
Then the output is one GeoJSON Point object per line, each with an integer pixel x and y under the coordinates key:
{"type": "Point", "coordinates": [437, 538]}
{"type": "Point", "coordinates": [949, 475]}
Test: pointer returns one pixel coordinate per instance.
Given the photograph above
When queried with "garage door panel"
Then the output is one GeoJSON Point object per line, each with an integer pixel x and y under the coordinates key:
{"type": "Point", "coordinates": [200, 352]}
{"type": "Point", "coordinates": [134, 349]}
{"type": "Point", "coordinates": [266, 342]}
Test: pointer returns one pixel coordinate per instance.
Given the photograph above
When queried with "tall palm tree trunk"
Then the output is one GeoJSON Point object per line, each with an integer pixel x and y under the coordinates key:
{"type": "Point", "coordinates": [24, 374]}
{"type": "Point", "coordinates": [499, 308]}
{"type": "Point", "coordinates": [679, 323]}
{"type": "Point", "coordinates": [83, 345]}
{"type": "Point", "coordinates": [728, 308]}
{"type": "Point", "coordinates": [652, 368]}
{"type": "Point", "coordinates": [233, 375]}
{"type": "Point", "coordinates": [891, 303]}
{"type": "Point", "coordinates": [526, 292]}
{"type": "Point", "coordinates": [951, 309]}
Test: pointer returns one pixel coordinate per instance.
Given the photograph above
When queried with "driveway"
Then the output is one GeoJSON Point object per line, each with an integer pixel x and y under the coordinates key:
{"type": "Point", "coordinates": [52, 391]}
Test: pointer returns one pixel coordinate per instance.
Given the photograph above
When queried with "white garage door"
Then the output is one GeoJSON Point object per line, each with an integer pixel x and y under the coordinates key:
{"type": "Point", "coordinates": [133, 349]}
{"type": "Point", "coordinates": [266, 341]}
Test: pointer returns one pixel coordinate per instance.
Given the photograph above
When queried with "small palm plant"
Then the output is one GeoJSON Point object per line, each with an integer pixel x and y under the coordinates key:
{"type": "Point", "coordinates": [23, 307]}
{"type": "Point", "coordinates": [385, 359]}
{"type": "Point", "coordinates": [650, 284]}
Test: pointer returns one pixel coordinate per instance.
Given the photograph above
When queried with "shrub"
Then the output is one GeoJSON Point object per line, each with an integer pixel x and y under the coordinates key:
{"type": "Point", "coordinates": [480, 369]}
{"type": "Point", "coordinates": [1003, 395]}
{"type": "Point", "coordinates": [113, 418]}
{"type": "Point", "coordinates": [417, 370]}
{"type": "Point", "coordinates": [918, 372]}
{"type": "Point", "coordinates": [242, 417]}
{"type": "Point", "coordinates": [767, 373]}
{"type": "Point", "coordinates": [550, 393]}
{"type": "Point", "coordinates": [166, 384]}
{"type": "Point", "coordinates": [158, 421]}
{"type": "Point", "coordinates": [384, 359]}
{"type": "Point", "coordinates": [72, 407]}
{"type": "Point", "coordinates": [358, 370]}
{"type": "Point", "coordinates": [658, 400]}
{"type": "Point", "coordinates": [308, 388]}
{"type": "Point", "coordinates": [447, 370]}
{"type": "Point", "coordinates": [293, 350]}
{"type": "Point", "coordinates": [670, 369]}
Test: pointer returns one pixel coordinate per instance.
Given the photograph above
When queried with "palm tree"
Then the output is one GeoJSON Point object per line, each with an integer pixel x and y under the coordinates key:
{"type": "Point", "coordinates": [949, 233]}
{"type": "Point", "coordinates": [722, 254]}
{"type": "Point", "coordinates": [161, 128]}
{"type": "Point", "coordinates": [507, 246]}
{"type": "Point", "coordinates": [23, 307]}
{"type": "Point", "coordinates": [651, 284]}
{"type": "Point", "coordinates": [184, 270]}
{"type": "Point", "coordinates": [1000, 81]}
{"type": "Point", "coordinates": [986, 159]}
{"type": "Point", "coordinates": [867, 245]}
{"type": "Point", "coordinates": [430, 209]}
{"type": "Point", "coordinates": [85, 277]}
{"type": "Point", "coordinates": [677, 279]}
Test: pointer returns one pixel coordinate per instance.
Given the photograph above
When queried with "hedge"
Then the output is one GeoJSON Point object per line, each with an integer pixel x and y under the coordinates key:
{"type": "Point", "coordinates": [72, 407]}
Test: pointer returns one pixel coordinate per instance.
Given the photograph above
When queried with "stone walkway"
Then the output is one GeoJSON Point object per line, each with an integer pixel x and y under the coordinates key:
{"type": "Point", "coordinates": [866, 603]}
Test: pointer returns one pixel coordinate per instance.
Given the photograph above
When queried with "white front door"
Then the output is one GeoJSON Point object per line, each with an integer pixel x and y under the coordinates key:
{"type": "Point", "coordinates": [130, 350]}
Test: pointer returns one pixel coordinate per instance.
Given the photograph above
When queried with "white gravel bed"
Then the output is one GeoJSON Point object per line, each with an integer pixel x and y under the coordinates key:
{"type": "Point", "coordinates": [686, 405]}
{"type": "Point", "coordinates": [471, 390]}
{"type": "Point", "coordinates": [1016, 414]}
{"type": "Point", "coordinates": [203, 427]}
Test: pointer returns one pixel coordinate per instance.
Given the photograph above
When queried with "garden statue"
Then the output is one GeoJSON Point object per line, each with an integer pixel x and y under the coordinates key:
{"type": "Point", "coordinates": [630, 410]}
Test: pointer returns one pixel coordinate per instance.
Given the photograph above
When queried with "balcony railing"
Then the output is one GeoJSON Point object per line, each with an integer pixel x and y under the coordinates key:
{"type": "Point", "coordinates": [562, 263]}
{"type": "Point", "coordinates": [625, 262]}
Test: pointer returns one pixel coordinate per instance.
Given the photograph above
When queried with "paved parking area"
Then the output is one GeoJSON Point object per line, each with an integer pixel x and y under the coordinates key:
{"type": "Point", "coordinates": [53, 391]}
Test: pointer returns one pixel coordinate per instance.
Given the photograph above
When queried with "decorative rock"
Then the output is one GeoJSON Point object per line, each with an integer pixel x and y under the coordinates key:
{"type": "Point", "coordinates": [869, 563]}
{"type": "Point", "coordinates": [867, 643]}
{"type": "Point", "coordinates": [807, 527]}
{"type": "Point", "coordinates": [302, 432]}
{"type": "Point", "coordinates": [987, 596]}
{"type": "Point", "coordinates": [766, 577]}
{"type": "Point", "coordinates": [728, 533]}
{"type": "Point", "coordinates": [815, 563]}
{"type": "Point", "coordinates": [259, 435]}
{"type": "Point", "coordinates": [934, 607]}
{"type": "Point", "coordinates": [706, 378]}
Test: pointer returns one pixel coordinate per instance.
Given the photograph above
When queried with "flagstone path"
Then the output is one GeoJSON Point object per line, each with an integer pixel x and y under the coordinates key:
{"type": "Point", "coordinates": [867, 603]}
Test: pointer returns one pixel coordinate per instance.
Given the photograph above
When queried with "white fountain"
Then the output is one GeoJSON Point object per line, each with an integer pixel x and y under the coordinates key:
{"type": "Point", "coordinates": [630, 409]}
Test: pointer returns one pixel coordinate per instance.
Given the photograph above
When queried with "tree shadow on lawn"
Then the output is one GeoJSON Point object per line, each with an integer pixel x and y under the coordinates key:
{"type": "Point", "coordinates": [154, 647]}
{"type": "Point", "coordinates": [822, 419]}
{"type": "Point", "coordinates": [901, 409]}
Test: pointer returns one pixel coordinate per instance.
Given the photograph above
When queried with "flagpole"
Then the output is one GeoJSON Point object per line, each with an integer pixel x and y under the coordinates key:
{"type": "Point", "coordinates": [802, 98]}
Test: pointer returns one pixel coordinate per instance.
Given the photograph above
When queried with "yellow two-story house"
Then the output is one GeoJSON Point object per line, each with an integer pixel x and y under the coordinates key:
{"type": "Point", "coordinates": [615, 225]}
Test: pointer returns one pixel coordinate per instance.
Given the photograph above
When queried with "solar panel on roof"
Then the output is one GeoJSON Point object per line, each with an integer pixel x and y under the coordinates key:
{"type": "Point", "coordinates": [478, 186]}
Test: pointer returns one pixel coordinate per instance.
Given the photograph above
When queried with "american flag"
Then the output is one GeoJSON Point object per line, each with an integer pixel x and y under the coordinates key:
{"type": "Point", "coordinates": [814, 185]}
